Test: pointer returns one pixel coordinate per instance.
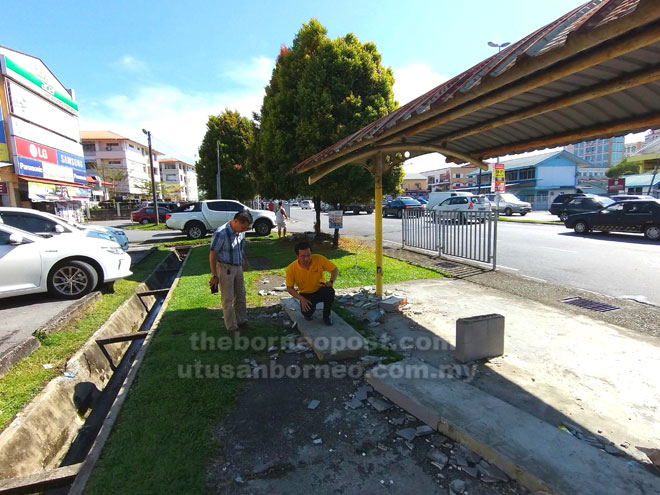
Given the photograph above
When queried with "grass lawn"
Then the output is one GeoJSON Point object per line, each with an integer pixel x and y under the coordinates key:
{"type": "Point", "coordinates": [166, 422]}
{"type": "Point", "coordinates": [148, 226]}
{"type": "Point", "coordinates": [28, 377]}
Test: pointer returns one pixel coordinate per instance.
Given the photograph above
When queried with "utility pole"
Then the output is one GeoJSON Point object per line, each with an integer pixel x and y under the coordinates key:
{"type": "Point", "coordinates": [153, 180]}
{"type": "Point", "coordinates": [217, 157]}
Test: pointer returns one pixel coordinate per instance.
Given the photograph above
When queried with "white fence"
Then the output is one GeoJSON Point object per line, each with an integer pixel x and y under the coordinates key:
{"type": "Point", "coordinates": [471, 235]}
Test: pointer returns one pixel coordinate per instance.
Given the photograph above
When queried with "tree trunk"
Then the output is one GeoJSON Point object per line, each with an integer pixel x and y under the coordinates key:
{"type": "Point", "coordinates": [317, 207]}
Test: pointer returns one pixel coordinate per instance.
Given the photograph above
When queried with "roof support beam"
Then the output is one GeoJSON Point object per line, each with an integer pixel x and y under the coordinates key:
{"type": "Point", "coordinates": [604, 130]}
{"type": "Point", "coordinates": [626, 82]}
{"type": "Point", "coordinates": [361, 157]}
{"type": "Point", "coordinates": [634, 41]}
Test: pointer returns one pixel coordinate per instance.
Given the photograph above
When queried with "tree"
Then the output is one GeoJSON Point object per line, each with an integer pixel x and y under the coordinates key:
{"type": "Point", "coordinates": [235, 135]}
{"type": "Point", "coordinates": [320, 92]}
{"type": "Point", "coordinates": [144, 186]}
{"type": "Point", "coordinates": [624, 168]}
{"type": "Point", "coordinates": [109, 174]}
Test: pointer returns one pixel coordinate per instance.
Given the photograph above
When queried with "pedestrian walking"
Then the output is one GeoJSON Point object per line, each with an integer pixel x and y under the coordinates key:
{"type": "Point", "coordinates": [307, 273]}
{"type": "Point", "coordinates": [280, 216]}
{"type": "Point", "coordinates": [227, 261]}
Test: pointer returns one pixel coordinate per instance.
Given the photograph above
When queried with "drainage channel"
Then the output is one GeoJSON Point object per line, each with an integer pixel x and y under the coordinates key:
{"type": "Point", "coordinates": [111, 355]}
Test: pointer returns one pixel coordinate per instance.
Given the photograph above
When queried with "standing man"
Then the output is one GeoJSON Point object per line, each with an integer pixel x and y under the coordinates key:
{"type": "Point", "coordinates": [307, 273]}
{"type": "Point", "coordinates": [280, 215]}
{"type": "Point", "coordinates": [227, 261]}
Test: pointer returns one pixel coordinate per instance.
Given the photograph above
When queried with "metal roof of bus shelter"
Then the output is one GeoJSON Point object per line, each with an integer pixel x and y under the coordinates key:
{"type": "Point", "coordinates": [594, 72]}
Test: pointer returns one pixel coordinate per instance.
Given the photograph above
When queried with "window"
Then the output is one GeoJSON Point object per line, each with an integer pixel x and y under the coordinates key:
{"type": "Point", "coordinates": [511, 175]}
{"type": "Point", "coordinates": [528, 173]}
{"type": "Point", "coordinates": [114, 162]}
{"type": "Point", "coordinates": [89, 146]}
{"type": "Point", "coordinates": [458, 176]}
{"type": "Point", "coordinates": [4, 238]}
{"type": "Point", "coordinates": [224, 206]}
{"type": "Point", "coordinates": [31, 223]}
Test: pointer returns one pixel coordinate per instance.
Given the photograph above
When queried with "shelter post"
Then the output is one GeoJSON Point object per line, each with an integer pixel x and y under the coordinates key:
{"type": "Point", "coordinates": [378, 209]}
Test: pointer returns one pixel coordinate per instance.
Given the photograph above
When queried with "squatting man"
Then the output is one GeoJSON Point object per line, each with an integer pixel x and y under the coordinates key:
{"type": "Point", "coordinates": [307, 272]}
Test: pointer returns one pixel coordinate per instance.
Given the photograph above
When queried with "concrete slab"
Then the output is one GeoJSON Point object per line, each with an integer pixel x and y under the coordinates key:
{"type": "Point", "coordinates": [526, 448]}
{"type": "Point", "coordinates": [329, 343]}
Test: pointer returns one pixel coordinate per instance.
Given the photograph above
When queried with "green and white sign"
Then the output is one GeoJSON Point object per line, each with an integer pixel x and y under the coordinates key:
{"type": "Point", "coordinates": [15, 71]}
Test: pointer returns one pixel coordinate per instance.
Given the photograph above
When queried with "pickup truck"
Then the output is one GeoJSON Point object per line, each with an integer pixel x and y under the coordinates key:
{"type": "Point", "coordinates": [197, 219]}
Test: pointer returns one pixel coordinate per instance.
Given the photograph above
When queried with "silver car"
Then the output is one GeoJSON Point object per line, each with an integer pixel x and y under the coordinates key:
{"type": "Point", "coordinates": [510, 204]}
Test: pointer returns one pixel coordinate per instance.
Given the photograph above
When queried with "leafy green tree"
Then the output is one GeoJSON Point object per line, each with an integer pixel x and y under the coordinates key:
{"type": "Point", "coordinates": [623, 168]}
{"type": "Point", "coordinates": [321, 90]}
{"type": "Point", "coordinates": [234, 134]}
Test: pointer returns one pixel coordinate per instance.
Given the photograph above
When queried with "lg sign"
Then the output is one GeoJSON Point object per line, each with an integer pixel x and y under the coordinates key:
{"type": "Point", "coordinates": [29, 149]}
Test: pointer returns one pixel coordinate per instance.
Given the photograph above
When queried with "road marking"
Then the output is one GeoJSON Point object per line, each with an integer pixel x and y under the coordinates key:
{"type": "Point", "coordinates": [557, 249]}
{"type": "Point", "coordinates": [508, 268]}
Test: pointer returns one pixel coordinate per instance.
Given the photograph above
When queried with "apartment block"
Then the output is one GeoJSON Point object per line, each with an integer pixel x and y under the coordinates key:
{"type": "Point", "coordinates": [179, 180]}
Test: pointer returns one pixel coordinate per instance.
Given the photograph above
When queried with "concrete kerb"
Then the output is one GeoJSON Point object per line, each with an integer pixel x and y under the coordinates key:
{"type": "Point", "coordinates": [535, 453]}
{"type": "Point", "coordinates": [329, 343]}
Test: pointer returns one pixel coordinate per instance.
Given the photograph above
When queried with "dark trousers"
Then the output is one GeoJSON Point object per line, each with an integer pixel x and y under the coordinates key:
{"type": "Point", "coordinates": [325, 295]}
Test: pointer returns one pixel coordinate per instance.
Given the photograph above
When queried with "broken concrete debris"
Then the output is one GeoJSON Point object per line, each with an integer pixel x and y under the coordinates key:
{"type": "Point", "coordinates": [423, 430]}
{"type": "Point", "coordinates": [354, 403]}
{"type": "Point", "coordinates": [378, 404]}
{"type": "Point", "coordinates": [392, 304]}
{"type": "Point", "coordinates": [407, 434]}
{"type": "Point", "coordinates": [313, 404]}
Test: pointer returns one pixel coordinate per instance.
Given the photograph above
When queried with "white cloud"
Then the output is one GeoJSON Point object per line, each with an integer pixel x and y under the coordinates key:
{"type": "Point", "coordinates": [414, 80]}
{"type": "Point", "coordinates": [132, 64]}
{"type": "Point", "coordinates": [176, 117]}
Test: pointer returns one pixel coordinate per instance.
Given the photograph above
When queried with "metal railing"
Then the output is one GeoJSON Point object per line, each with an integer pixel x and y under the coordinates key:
{"type": "Point", "coordinates": [471, 235]}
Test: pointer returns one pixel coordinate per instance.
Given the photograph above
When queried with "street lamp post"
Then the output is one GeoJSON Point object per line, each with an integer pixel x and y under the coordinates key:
{"type": "Point", "coordinates": [217, 157]}
{"type": "Point", "coordinates": [153, 180]}
{"type": "Point", "coordinates": [499, 47]}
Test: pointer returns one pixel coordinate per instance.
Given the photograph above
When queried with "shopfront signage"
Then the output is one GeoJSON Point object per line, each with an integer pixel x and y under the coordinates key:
{"type": "Point", "coordinates": [335, 219]}
{"type": "Point", "coordinates": [36, 160]}
{"type": "Point", "coordinates": [34, 108]}
{"type": "Point", "coordinates": [4, 153]}
{"type": "Point", "coordinates": [26, 130]}
{"type": "Point", "coordinates": [38, 191]}
{"type": "Point", "coordinates": [4, 188]}
{"type": "Point", "coordinates": [17, 72]}
{"type": "Point", "coordinates": [616, 185]}
{"type": "Point", "coordinates": [498, 184]}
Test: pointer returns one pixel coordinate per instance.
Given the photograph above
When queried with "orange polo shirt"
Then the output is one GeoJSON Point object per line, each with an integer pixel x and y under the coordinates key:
{"type": "Point", "coordinates": [309, 280]}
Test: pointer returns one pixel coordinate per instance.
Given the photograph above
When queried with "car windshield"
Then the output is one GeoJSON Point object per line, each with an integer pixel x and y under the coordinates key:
{"type": "Point", "coordinates": [409, 201]}
{"type": "Point", "coordinates": [480, 200]}
{"type": "Point", "coordinates": [603, 200]}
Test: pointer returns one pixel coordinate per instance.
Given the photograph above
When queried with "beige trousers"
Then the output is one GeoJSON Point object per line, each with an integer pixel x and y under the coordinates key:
{"type": "Point", "coordinates": [232, 291]}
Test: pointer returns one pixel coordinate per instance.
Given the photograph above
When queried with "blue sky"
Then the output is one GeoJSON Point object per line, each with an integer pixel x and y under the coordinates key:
{"type": "Point", "coordinates": [167, 65]}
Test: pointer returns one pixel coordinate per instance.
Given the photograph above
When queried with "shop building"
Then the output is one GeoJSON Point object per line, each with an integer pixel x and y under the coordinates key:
{"type": "Point", "coordinates": [41, 157]}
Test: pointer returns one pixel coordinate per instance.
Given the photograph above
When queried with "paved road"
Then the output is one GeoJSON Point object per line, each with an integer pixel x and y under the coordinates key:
{"type": "Point", "coordinates": [619, 265]}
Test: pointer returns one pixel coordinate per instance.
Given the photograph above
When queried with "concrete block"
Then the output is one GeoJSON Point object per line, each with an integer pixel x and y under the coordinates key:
{"type": "Point", "coordinates": [392, 304]}
{"type": "Point", "coordinates": [537, 454]}
{"type": "Point", "coordinates": [479, 337]}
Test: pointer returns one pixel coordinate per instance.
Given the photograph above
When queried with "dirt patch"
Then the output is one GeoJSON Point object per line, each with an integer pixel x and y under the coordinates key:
{"type": "Point", "coordinates": [270, 282]}
{"type": "Point", "coordinates": [274, 443]}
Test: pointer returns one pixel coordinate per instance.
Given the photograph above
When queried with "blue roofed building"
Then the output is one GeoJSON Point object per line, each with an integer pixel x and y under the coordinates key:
{"type": "Point", "coordinates": [536, 179]}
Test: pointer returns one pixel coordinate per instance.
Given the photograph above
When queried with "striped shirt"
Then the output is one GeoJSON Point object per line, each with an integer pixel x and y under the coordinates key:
{"type": "Point", "coordinates": [228, 245]}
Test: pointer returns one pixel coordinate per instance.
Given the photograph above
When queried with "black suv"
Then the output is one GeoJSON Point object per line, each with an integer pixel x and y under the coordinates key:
{"type": "Point", "coordinates": [635, 215]}
{"type": "Point", "coordinates": [569, 204]}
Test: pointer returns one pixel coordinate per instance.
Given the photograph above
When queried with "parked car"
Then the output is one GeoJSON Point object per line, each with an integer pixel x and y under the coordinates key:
{"type": "Point", "coordinates": [462, 205]}
{"type": "Point", "coordinates": [294, 202]}
{"type": "Point", "coordinates": [30, 264]}
{"type": "Point", "coordinates": [147, 214]}
{"type": "Point", "coordinates": [356, 208]}
{"type": "Point", "coordinates": [557, 205]}
{"type": "Point", "coordinates": [168, 205]}
{"type": "Point", "coordinates": [196, 219]}
{"type": "Point", "coordinates": [306, 204]}
{"type": "Point", "coordinates": [622, 197]}
{"type": "Point", "coordinates": [396, 206]}
{"type": "Point", "coordinates": [46, 225]}
{"type": "Point", "coordinates": [435, 198]}
{"type": "Point", "coordinates": [583, 203]}
{"type": "Point", "coordinates": [509, 204]}
{"type": "Point", "coordinates": [635, 215]}
{"type": "Point", "coordinates": [423, 202]}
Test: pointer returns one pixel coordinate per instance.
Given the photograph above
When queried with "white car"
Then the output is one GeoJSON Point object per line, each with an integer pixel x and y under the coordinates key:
{"type": "Point", "coordinates": [47, 224]}
{"type": "Point", "coordinates": [306, 204]}
{"type": "Point", "coordinates": [462, 205]}
{"type": "Point", "coordinates": [30, 263]}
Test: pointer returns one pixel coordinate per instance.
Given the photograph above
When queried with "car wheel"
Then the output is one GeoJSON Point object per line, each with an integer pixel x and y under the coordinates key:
{"type": "Point", "coordinates": [652, 232]}
{"type": "Point", "coordinates": [144, 221]}
{"type": "Point", "coordinates": [195, 230]}
{"type": "Point", "coordinates": [72, 279]}
{"type": "Point", "coordinates": [523, 213]}
{"type": "Point", "coordinates": [581, 227]}
{"type": "Point", "coordinates": [262, 227]}
{"type": "Point", "coordinates": [369, 212]}
{"type": "Point", "coordinates": [384, 213]}
{"type": "Point", "coordinates": [563, 216]}
{"type": "Point", "coordinates": [508, 212]}
{"type": "Point", "coordinates": [399, 213]}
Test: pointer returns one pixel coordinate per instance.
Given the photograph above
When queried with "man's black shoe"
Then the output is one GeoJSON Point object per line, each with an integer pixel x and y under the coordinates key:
{"type": "Point", "coordinates": [327, 321]}
{"type": "Point", "coordinates": [308, 318]}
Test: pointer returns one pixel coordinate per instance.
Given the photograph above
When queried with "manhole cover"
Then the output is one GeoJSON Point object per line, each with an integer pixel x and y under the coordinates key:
{"type": "Point", "coordinates": [588, 304]}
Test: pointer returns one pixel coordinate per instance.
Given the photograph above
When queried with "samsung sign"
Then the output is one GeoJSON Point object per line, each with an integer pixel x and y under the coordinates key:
{"type": "Point", "coordinates": [36, 160]}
